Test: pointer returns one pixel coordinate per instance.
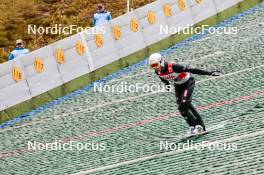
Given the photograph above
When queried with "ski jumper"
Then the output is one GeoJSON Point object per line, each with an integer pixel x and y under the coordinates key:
{"type": "Point", "coordinates": [184, 85]}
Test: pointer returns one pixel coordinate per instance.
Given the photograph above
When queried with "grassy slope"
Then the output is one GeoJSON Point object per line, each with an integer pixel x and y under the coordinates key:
{"type": "Point", "coordinates": [17, 14]}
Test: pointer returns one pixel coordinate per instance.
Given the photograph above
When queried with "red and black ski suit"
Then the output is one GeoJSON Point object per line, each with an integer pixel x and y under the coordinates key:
{"type": "Point", "coordinates": [184, 85]}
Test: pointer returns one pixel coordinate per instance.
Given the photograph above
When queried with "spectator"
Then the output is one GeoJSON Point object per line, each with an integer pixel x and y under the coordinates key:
{"type": "Point", "coordinates": [101, 16]}
{"type": "Point", "coordinates": [18, 51]}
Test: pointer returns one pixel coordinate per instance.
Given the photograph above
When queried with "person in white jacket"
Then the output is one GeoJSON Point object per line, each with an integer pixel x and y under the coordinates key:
{"type": "Point", "coordinates": [101, 16]}
{"type": "Point", "coordinates": [18, 51]}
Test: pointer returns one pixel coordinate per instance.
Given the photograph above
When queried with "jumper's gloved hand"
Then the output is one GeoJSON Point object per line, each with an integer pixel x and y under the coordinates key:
{"type": "Point", "coordinates": [216, 73]}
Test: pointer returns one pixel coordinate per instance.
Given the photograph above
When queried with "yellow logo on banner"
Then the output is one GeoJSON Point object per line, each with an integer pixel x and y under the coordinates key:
{"type": "Point", "coordinates": [99, 40]}
{"type": "Point", "coordinates": [80, 48]}
{"type": "Point", "coordinates": [117, 32]}
{"type": "Point", "coordinates": [199, 1]}
{"type": "Point", "coordinates": [182, 4]}
{"type": "Point", "coordinates": [60, 56]}
{"type": "Point", "coordinates": [17, 74]}
{"type": "Point", "coordinates": [39, 65]}
{"type": "Point", "coordinates": [168, 10]}
{"type": "Point", "coordinates": [151, 17]}
{"type": "Point", "coordinates": [134, 25]}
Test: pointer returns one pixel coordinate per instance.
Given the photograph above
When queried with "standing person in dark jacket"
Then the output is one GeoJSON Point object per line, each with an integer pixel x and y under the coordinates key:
{"type": "Point", "coordinates": [184, 85]}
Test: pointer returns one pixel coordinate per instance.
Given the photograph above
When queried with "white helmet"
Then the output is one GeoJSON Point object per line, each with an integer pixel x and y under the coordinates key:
{"type": "Point", "coordinates": [156, 60]}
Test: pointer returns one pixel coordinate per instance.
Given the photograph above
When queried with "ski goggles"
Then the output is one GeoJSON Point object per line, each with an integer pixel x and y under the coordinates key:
{"type": "Point", "coordinates": [155, 65]}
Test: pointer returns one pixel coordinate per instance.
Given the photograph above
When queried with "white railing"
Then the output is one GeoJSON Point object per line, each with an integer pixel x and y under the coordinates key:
{"type": "Point", "coordinates": [49, 67]}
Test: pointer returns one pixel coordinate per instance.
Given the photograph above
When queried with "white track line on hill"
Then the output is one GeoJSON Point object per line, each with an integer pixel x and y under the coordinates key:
{"type": "Point", "coordinates": [131, 76]}
{"type": "Point", "coordinates": [217, 53]}
{"type": "Point", "coordinates": [251, 25]}
{"type": "Point", "coordinates": [236, 72]}
{"type": "Point", "coordinates": [89, 109]}
{"type": "Point", "coordinates": [122, 100]}
{"type": "Point", "coordinates": [210, 36]}
{"type": "Point", "coordinates": [248, 26]}
{"type": "Point", "coordinates": [160, 155]}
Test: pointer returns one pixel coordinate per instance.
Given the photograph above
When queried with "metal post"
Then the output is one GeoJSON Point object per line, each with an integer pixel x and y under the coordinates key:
{"type": "Point", "coordinates": [128, 4]}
